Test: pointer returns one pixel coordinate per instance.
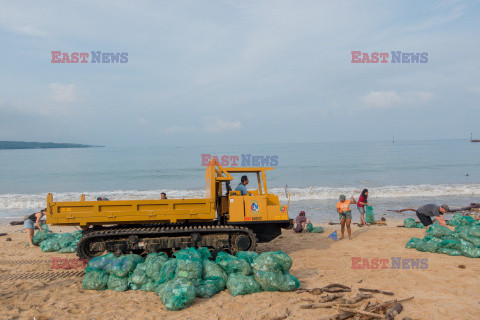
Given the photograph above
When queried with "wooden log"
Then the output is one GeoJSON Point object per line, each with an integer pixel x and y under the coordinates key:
{"type": "Point", "coordinates": [3, 234]}
{"type": "Point", "coordinates": [365, 313]}
{"type": "Point", "coordinates": [396, 310]}
{"type": "Point", "coordinates": [339, 316]}
{"type": "Point", "coordinates": [319, 305]}
{"type": "Point", "coordinates": [16, 223]}
{"type": "Point", "coordinates": [387, 304]}
{"type": "Point", "coordinates": [331, 297]}
{"type": "Point", "coordinates": [376, 291]}
{"type": "Point", "coordinates": [359, 297]}
{"type": "Point", "coordinates": [336, 287]}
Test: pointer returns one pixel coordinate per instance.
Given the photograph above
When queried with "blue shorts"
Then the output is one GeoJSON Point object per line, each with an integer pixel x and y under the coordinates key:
{"type": "Point", "coordinates": [361, 210]}
{"type": "Point", "coordinates": [29, 224]}
{"type": "Point", "coordinates": [345, 215]}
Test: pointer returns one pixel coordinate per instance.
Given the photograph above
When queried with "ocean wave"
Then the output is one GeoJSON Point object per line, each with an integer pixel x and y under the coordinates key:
{"type": "Point", "coordinates": [37, 201]}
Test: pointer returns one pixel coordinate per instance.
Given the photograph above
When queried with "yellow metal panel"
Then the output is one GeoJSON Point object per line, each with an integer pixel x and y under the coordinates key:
{"type": "Point", "coordinates": [255, 208]}
{"type": "Point", "coordinates": [236, 210]}
{"type": "Point", "coordinates": [277, 212]}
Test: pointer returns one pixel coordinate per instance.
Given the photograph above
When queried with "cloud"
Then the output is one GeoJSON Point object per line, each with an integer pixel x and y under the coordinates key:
{"type": "Point", "coordinates": [64, 93]}
{"type": "Point", "coordinates": [472, 89]}
{"type": "Point", "coordinates": [380, 99]}
{"type": "Point", "coordinates": [214, 124]}
{"type": "Point", "coordinates": [143, 121]}
{"type": "Point", "coordinates": [390, 99]}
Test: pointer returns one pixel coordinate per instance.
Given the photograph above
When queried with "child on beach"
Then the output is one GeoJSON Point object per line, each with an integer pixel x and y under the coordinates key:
{"type": "Point", "coordinates": [30, 222]}
{"type": "Point", "coordinates": [345, 214]}
{"type": "Point", "coordinates": [362, 202]}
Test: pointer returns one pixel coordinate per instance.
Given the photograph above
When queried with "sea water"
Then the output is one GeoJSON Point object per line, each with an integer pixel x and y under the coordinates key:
{"type": "Point", "coordinates": [398, 175]}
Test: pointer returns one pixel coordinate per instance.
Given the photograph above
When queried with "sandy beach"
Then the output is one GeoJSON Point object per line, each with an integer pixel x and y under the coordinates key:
{"type": "Point", "coordinates": [442, 291]}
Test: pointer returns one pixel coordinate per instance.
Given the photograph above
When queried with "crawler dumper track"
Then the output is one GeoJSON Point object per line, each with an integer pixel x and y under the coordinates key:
{"type": "Point", "coordinates": [161, 238]}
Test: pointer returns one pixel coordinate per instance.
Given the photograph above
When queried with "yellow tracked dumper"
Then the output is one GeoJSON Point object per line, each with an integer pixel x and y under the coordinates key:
{"type": "Point", "coordinates": [223, 220]}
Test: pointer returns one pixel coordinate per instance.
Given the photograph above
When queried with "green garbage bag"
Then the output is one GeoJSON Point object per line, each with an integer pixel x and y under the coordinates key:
{"type": "Point", "coordinates": [95, 280]}
{"type": "Point", "coordinates": [369, 217]}
{"type": "Point", "coordinates": [428, 246]}
{"type": "Point", "coordinates": [273, 261]}
{"type": "Point", "coordinates": [41, 235]}
{"type": "Point", "coordinates": [450, 244]}
{"type": "Point", "coordinates": [450, 252]}
{"type": "Point", "coordinates": [310, 228]}
{"type": "Point", "coordinates": [123, 265]}
{"type": "Point", "coordinates": [149, 286]}
{"type": "Point", "coordinates": [412, 243]}
{"type": "Point", "coordinates": [191, 269]}
{"type": "Point", "coordinates": [167, 272]}
{"type": "Point", "coordinates": [50, 244]}
{"type": "Point", "coordinates": [240, 284]}
{"type": "Point", "coordinates": [276, 281]}
{"type": "Point", "coordinates": [188, 253]}
{"type": "Point", "coordinates": [153, 265]}
{"type": "Point", "coordinates": [248, 256]}
{"type": "Point", "coordinates": [474, 231]}
{"type": "Point", "coordinates": [470, 252]}
{"type": "Point", "coordinates": [439, 231]}
{"type": "Point", "coordinates": [101, 262]}
{"type": "Point", "coordinates": [117, 284]}
{"type": "Point", "coordinates": [409, 223]}
{"type": "Point", "coordinates": [176, 294]}
{"type": "Point", "coordinates": [70, 249]}
{"type": "Point", "coordinates": [233, 264]}
{"type": "Point", "coordinates": [209, 287]}
{"type": "Point", "coordinates": [138, 277]}
{"type": "Point", "coordinates": [204, 253]}
{"type": "Point", "coordinates": [65, 239]}
{"type": "Point", "coordinates": [419, 225]}
{"type": "Point", "coordinates": [213, 270]}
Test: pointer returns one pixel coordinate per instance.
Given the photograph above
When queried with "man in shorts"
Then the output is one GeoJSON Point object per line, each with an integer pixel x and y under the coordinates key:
{"type": "Point", "coordinates": [426, 212]}
{"type": "Point", "coordinates": [345, 214]}
{"type": "Point", "coordinates": [30, 222]}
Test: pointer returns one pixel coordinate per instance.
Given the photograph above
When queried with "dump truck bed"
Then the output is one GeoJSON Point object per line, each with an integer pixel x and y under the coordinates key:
{"type": "Point", "coordinates": [85, 213]}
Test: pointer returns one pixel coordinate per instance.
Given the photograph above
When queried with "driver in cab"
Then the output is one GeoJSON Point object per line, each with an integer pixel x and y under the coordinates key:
{"type": "Point", "coordinates": [242, 186]}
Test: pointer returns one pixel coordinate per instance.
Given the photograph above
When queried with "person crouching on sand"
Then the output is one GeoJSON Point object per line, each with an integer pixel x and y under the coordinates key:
{"type": "Point", "coordinates": [362, 202]}
{"type": "Point", "coordinates": [345, 214]}
{"type": "Point", "coordinates": [426, 212]}
{"type": "Point", "coordinates": [30, 222]}
{"type": "Point", "coordinates": [300, 222]}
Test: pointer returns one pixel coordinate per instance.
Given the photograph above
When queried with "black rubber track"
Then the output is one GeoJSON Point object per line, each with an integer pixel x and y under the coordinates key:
{"type": "Point", "coordinates": [116, 233]}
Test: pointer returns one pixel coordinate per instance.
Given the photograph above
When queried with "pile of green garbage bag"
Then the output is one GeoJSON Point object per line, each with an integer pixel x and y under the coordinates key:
{"type": "Point", "coordinates": [191, 273]}
{"type": "Point", "coordinates": [463, 241]}
{"type": "Point", "coordinates": [310, 228]}
{"type": "Point", "coordinates": [461, 220]}
{"type": "Point", "coordinates": [410, 223]}
{"type": "Point", "coordinates": [369, 217]}
{"type": "Point", "coordinates": [61, 242]}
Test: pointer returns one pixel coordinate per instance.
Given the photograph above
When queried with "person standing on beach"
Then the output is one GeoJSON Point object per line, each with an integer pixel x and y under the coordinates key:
{"type": "Point", "coordinates": [30, 223]}
{"type": "Point", "coordinates": [242, 186]}
{"type": "Point", "coordinates": [345, 214]}
{"type": "Point", "coordinates": [300, 222]}
{"type": "Point", "coordinates": [426, 212]}
{"type": "Point", "coordinates": [362, 202]}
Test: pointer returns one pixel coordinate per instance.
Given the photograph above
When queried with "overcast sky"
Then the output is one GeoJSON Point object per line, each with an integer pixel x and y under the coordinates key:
{"type": "Point", "coordinates": [218, 72]}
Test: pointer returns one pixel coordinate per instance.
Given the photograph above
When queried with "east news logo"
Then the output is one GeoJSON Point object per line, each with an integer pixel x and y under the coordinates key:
{"type": "Point", "coordinates": [395, 57]}
{"type": "Point", "coordinates": [96, 57]}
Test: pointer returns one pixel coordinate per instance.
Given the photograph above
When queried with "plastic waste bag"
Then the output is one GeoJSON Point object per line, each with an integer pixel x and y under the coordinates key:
{"type": "Point", "coordinates": [233, 264]}
{"type": "Point", "coordinates": [213, 270]}
{"type": "Point", "coordinates": [310, 228]}
{"type": "Point", "coordinates": [167, 272]}
{"type": "Point", "coordinates": [153, 265]}
{"type": "Point", "coordinates": [117, 284]}
{"type": "Point", "coordinates": [369, 217]}
{"type": "Point", "coordinates": [409, 223]}
{"type": "Point", "coordinates": [138, 277]}
{"type": "Point", "coordinates": [50, 244]}
{"type": "Point", "coordinates": [276, 281]}
{"type": "Point", "coordinates": [470, 252]}
{"type": "Point", "coordinates": [412, 243]}
{"type": "Point", "coordinates": [248, 256]}
{"type": "Point", "coordinates": [209, 287]}
{"type": "Point", "coordinates": [273, 261]}
{"type": "Point", "coordinates": [240, 284]}
{"type": "Point", "coordinates": [176, 294]}
{"type": "Point", "coordinates": [95, 280]}
{"type": "Point", "coordinates": [41, 235]}
{"type": "Point", "coordinates": [450, 252]}
{"type": "Point", "coordinates": [101, 262]}
{"type": "Point", "coordinates": [191, 269]}
{"type": "Point", "coordinates": [188, 253]}
{"type": "Point", "coordinates": [123, 265]}
{"type": "Point", "coordinates": [437, 230]}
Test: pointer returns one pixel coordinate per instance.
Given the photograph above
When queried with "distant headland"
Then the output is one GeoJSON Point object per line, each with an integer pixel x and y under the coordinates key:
{"type": "Point", "coordinates": [41, 145]}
